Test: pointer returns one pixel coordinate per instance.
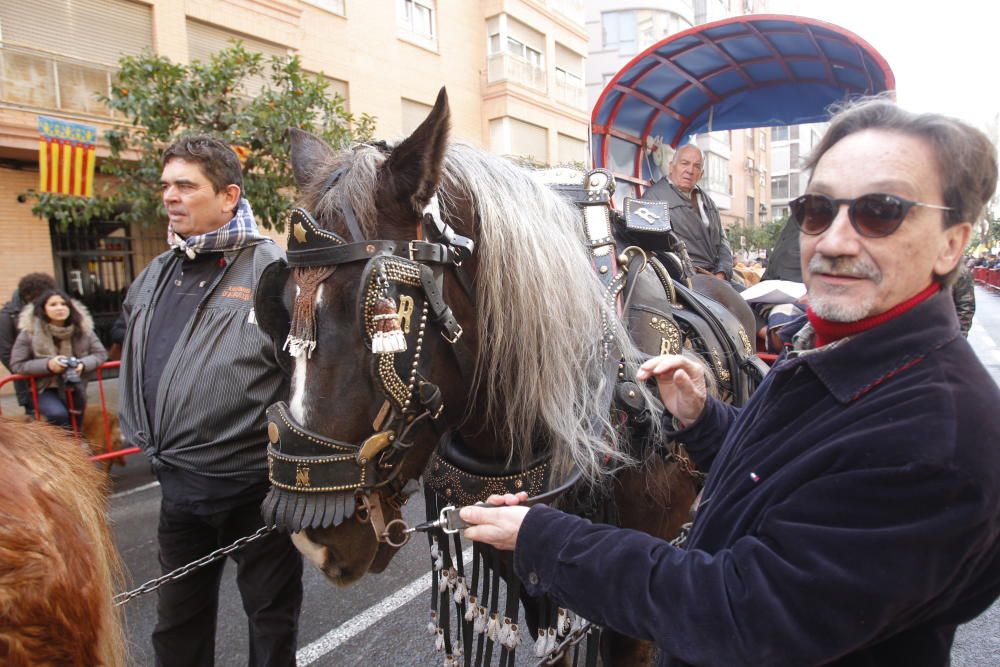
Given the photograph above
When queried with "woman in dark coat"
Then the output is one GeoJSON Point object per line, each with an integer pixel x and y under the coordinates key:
{"type": "Point", "coordinates": [54, 331]}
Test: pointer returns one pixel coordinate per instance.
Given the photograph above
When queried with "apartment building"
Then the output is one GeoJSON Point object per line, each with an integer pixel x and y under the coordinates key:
{"type": "Point", "coordinates": [790, 145]}
{"type": "Point", "coordinates": [737, 162]}
{"type": "Point", "coordinates": [513, 69]}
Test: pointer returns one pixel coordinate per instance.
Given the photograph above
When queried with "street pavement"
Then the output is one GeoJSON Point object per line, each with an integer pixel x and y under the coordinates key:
{"type": "Point", "coordinates": [382, 619]}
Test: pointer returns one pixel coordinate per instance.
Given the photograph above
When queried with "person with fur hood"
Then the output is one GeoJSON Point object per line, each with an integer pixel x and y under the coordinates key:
{"type": "Point", "coordinates": [54, 331]}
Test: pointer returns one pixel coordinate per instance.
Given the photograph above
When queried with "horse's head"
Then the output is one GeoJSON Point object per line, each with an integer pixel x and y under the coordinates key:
{"type": "Point", "coordinates": [400, 334]}
{"type": "Point", "coordinates": [377, 313]}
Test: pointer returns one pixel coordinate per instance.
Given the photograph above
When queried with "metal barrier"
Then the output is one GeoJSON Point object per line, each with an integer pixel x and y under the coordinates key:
{"type": "Point", "coordinates": [109, 452]}
{"type": "Point", "coordinates": [988, 277]}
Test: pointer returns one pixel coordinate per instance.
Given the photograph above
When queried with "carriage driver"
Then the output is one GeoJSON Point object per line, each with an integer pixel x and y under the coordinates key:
{"type": "Point", "coordinates": [197, 375]}
{"type": "Point", "coordinates": [851, 514]}
{"type": "Point", "coordinates": [693, 214]}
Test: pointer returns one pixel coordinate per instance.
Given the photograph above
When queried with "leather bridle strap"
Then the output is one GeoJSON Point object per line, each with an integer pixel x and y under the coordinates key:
{"type": "Point", "coordinates": [340, 254]}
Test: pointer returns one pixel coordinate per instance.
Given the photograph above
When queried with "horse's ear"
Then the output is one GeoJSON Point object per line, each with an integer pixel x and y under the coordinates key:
{"type": "Point", "coordinates": [308, 153]}
{"type": "Point", "coordinates": [414, 167]}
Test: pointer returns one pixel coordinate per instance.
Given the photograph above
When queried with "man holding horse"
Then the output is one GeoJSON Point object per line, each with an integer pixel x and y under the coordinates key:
{"type": "Point", "coordinates": [693, 214]}
{"type": "Point", "coordinates": [852, 510]}
{"type": "Point", "coordinates": [197, 376]}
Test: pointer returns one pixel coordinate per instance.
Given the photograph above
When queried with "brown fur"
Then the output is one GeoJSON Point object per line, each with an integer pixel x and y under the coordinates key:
{"type": "Point", "coordinates": [58, 564]}
{"type": "Point", "coordinates": [93, 433]}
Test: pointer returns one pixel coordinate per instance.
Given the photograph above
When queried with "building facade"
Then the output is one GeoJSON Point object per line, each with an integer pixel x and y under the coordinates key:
{"type": "Point", "coordinates": [513, 69]}
{"type": "Point", "coordinates": [736, 162]}
{"type": "Point", "coordinates": [790, 146]}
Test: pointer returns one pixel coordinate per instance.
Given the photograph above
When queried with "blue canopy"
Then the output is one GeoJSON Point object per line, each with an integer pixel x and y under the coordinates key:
{"type": "Point", "coordinates": [748, 71]}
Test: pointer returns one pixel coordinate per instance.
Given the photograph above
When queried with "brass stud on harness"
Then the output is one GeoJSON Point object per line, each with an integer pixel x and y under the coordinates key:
{"type": "Point", "coordinates": [272, 433]}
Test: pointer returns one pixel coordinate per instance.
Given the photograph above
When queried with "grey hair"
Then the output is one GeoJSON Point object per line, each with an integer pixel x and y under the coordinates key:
{"type": "Point", "coordinates": [541, 315]}
{"type": "Point", "coordinates": [966, 158]}
{"type": "Point", "coordinates": [673, 158]}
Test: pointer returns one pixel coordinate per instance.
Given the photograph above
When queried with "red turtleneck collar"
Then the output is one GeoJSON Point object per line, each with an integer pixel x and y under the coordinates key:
{"type": "Point", "coordinates": [827, 331]}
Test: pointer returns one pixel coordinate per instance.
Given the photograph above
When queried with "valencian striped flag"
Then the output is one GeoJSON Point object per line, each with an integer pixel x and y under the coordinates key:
{"type": "Point", "coordinates": [66, 152]}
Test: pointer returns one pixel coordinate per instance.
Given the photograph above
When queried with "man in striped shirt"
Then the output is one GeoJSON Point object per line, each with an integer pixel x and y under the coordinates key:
{"type": "Point", "coordinates": [197, 375]}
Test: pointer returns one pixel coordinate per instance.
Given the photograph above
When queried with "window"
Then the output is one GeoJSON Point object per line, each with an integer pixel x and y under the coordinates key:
{"type": "Point", "coordinates": [761, 141]}
{"type": "Point", "coordinates": [794, 187]}
{"type": "Point", "coordinates": [716, 177]}
{"type": "Point", "coordinates": [793, 156]}
{"type": "Point", "coordinates": [793, 132]}
{"type": "Point", "coordinates": [618, 31]}
{"type": "Point", "coordinates": [516, 53]}
{"type": "Point", "coordinates": [335, 6]}
{"type": "Point", "coordinates": [779, 133]}
{"type": "Point", "coordinates": [751, 210]}
{"type": "Point", "coordinates": [780, 212]}
{"type": "Point", "coordinates": [416, 20]}
{"type": "Point", "coordinates": [517, 48]}
{"type": "Point", "coordinates": [779, 187]}
{"type": "Point", "coordinates": [700, 12]}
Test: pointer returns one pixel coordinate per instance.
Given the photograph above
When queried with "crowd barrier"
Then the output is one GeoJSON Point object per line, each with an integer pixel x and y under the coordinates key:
{"type": "Point", "coordinates": [110, 452]}
{"type": "Point", "coordinates": [988, 277]}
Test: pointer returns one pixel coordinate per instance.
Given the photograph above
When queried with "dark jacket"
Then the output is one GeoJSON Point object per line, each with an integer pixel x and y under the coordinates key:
{"type": "Point", "coordinates": [8, 334]}
{"type": "Point", "coordinates": [707, 244]}
{"type": "Point", "coordinates": [218, 380]}
{"type": "Point", "coordinates": [86, 345]}
{"type": "Point", "coordinates": [851, 514]}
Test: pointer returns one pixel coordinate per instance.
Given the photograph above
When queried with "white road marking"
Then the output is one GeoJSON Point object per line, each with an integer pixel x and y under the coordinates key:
{"type": "Point", "coordinates": [122, 494]}
{"type": "Point", "coordinates": [331, 640]}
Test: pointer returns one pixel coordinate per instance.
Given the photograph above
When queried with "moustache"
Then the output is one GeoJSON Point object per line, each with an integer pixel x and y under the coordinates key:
{"type": "Point", "coordinates": [852, 267]}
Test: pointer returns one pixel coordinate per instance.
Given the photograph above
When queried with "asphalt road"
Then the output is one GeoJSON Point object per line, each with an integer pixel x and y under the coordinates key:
{"type": "Point", "coordinates": [381, 620]}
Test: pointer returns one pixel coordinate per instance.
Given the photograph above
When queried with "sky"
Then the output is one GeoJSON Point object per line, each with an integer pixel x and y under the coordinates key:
{"type": "Point", "coordinates": [945, 55]}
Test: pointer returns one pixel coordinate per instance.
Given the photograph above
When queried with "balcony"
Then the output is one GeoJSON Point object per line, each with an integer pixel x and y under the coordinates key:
{"type": "Point", "coordinates": [570, 93]}
{"type": "Point", "coordinates": [507, 67]}
{"type": "Point", "coordinates": [33, 78]}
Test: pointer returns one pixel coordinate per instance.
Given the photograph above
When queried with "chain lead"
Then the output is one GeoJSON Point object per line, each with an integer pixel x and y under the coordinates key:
{"type": "Point", "coordinates": [185, 570]}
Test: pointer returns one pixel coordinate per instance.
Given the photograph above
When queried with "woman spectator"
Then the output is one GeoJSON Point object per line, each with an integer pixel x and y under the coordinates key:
{"type": "Point", "coordinates": [57, 337]}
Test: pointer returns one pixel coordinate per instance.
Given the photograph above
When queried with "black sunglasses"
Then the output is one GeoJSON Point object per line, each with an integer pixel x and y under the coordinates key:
{"type": "Point", "coordinates": [872, 215]}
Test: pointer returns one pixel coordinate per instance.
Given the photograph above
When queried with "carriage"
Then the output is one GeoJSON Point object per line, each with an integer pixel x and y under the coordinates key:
{"type": "Point", "coordinates": [451, 318]}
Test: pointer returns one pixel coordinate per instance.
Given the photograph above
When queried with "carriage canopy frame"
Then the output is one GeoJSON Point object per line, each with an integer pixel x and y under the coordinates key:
{"type": "Point", "coordinates": [744, 72]}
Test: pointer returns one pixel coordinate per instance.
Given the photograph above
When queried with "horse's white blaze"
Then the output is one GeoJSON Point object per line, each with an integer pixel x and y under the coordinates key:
{"type": "Point", "coordinates": [314, 553]}
{"type": "Point", "coordinates": [296, 405]}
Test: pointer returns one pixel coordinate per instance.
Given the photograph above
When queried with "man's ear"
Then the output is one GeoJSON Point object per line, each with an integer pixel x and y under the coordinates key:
{"type": "Point", "coordinates": [955, 240]}
{"type": "Point", "coordinates": [232, 201]}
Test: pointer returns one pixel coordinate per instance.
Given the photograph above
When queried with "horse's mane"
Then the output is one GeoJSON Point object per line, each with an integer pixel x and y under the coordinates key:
{"type": "Point", "coordinates": [543, 328]}
{"type": "Point", "coordinates": [58, 563]}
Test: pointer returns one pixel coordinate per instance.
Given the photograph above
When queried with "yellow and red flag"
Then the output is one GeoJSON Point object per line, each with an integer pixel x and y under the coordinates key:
{"type": "Point", "coordinates": [66, 152]}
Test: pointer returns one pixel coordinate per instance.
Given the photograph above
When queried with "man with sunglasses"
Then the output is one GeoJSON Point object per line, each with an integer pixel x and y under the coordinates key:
{"type": "Point", "coordinates": [851, 514]}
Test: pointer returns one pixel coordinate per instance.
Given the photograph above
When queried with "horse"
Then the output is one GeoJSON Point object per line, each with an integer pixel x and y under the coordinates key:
{"type": "Point", "coordinates": [58, 563]}
{"type": "Point", "coordinates": [461, 329]}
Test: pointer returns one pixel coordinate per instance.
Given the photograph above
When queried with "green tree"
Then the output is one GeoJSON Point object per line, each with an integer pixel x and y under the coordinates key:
{"type": "Point", "coordinates": [756, 237]}
{"type": "Point", "coordinates": [238, 96]}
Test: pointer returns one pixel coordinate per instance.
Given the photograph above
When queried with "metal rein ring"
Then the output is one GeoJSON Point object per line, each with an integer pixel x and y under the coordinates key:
{"type": "Point", "coordinates": [387, 533]}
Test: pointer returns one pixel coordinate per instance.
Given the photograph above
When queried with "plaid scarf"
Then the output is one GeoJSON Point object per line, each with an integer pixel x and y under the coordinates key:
{"type": "Point", "coordinates": [240, 232]}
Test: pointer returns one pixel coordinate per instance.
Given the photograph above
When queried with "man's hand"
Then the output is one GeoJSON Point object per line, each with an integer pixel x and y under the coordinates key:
{"type": "Point", "coordinates": [496, 526]}
{"type": "Point", "coordinates": [681, 383]}
{"type": "Point", "coordinates": [720, 275]}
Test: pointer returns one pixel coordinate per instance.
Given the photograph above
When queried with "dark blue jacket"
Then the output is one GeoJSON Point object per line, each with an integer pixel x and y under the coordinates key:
{"type": "Point", "coordinates": [851, 515]}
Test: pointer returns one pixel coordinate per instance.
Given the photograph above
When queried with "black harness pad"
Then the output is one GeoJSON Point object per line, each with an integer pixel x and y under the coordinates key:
{"type": "Point", "coordinates": [270, 309]}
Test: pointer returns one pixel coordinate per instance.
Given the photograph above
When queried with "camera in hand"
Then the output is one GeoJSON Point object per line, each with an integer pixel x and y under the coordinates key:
{"type": "Point", "coordinates": [70, 376]}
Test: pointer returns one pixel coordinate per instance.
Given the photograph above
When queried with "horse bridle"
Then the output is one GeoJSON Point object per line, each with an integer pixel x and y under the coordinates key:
{"type": "Point", "coordinates": [301, 461]}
